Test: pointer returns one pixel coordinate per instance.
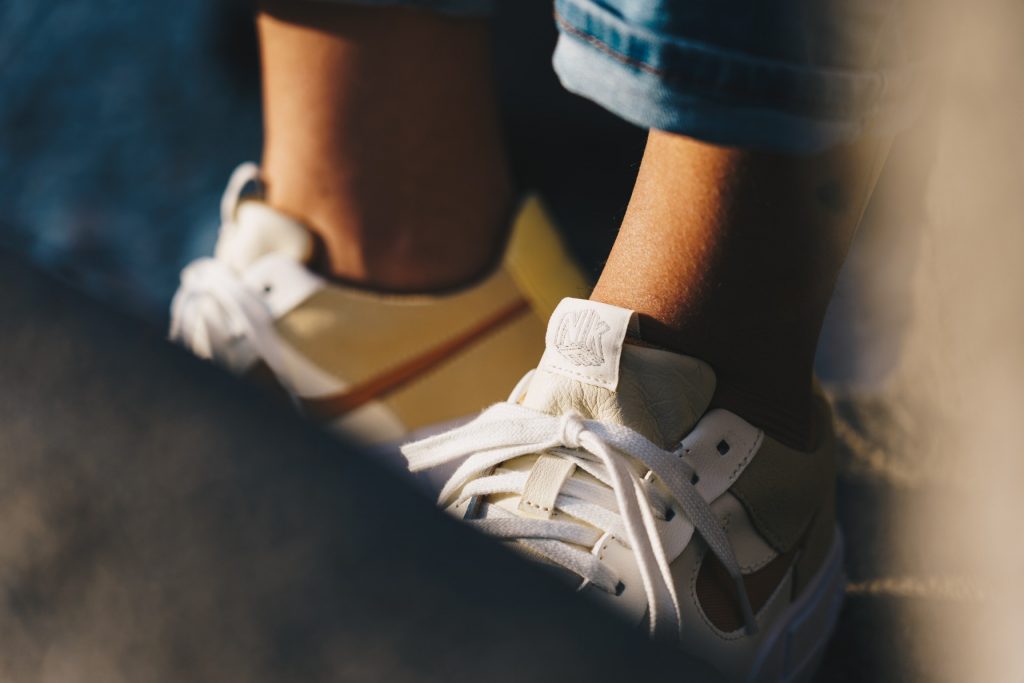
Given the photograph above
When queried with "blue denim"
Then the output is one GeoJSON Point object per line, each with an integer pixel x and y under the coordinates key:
{"type": "Point", "coordinates": [787, 75]}
{"type": "Point", "coordinates": [794, 76]}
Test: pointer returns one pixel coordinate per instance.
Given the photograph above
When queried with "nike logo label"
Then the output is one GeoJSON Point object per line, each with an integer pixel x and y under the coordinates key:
{"type": "Point", "coordinates": [578, 337]}
{"type": "Point", "coordinates": [584, 342]}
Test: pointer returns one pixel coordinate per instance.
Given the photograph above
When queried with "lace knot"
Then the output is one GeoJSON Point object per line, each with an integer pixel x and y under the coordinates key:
{"type": "Point", "coordinates": [570, 426]}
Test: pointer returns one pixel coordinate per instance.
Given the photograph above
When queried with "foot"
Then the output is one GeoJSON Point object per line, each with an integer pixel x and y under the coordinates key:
{"type": "Point", "coordinates": [607, 464]}
{"type": "Point", "coordinates": [374, 366]}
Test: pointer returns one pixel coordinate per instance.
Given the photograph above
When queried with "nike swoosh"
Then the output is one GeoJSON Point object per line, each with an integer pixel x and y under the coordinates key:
{"type": "Point", "coordinates": [716, 592]}
{"type": "Point", "coordinates": [358, 395]}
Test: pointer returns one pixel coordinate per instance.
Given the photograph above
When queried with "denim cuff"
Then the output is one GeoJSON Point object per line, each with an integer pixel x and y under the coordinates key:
{"type": "Point", "coordinates": [459, 8]}
{"type": "Point", "coordinates": [724, 96]}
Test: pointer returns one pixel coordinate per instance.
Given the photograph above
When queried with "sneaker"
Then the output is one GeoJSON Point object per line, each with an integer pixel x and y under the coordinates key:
{"type": "Point", "coordinates": [370, 365]}
{"type": "Point", "coordinates": [607, 464]}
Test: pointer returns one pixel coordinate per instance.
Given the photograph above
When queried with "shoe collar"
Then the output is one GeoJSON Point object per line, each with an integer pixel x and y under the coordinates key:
{"type": "Point", "coordinates": [251, 229]}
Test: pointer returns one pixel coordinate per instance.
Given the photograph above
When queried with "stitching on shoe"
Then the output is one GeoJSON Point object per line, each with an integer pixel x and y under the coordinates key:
{"type": "Point", "coordinates": [746, 458]}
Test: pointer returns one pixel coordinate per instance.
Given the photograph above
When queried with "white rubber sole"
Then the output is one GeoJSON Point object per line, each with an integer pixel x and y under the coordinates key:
{"type": "Point", "coordinates": [792, 650]}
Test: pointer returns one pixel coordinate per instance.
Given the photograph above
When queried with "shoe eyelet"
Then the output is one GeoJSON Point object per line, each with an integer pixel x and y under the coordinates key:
{"type": "Point", "coordinates": [267, 289]}
{"type": "Point", "coordinates": [669, 514]}
{"type": "Point", "coordinates": [694, 479]}
{"type": "Point", "coordinates": [723, 447]}
{"type": "Point", "coordinates": [619, 588]}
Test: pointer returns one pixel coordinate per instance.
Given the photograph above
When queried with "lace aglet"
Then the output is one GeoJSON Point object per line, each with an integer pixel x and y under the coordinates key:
{"type": "Point", "coordinates": [748, 611]}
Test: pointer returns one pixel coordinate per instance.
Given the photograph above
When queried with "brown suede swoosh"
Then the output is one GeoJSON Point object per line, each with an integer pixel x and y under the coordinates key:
{"type": "Point", "coordinates": [358, 395]}
{"type": "Point", "coordinates": [716, 591]}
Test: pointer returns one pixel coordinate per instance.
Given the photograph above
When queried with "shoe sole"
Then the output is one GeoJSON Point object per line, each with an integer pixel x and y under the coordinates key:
{"type": "Point", "coordinates": [796, 644]}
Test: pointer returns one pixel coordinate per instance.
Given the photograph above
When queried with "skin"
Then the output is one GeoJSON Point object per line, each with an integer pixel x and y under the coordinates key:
{"type": "Point", "coordinates": [729, 255]}
{"type": "Point", "coordinates": [381, 133]}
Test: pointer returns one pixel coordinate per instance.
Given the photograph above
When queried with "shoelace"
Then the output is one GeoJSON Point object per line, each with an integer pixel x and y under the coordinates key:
{"type": "Point", "coordinates": [628, 511]}
{"type": "Point", "coordinates": [213, 307]}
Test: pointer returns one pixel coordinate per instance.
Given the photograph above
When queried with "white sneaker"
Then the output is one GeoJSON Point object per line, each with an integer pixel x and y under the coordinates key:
{"type": "Point", "coordinates": [606, 463]}
{"type": "Point", "coordinates": [374, 366]}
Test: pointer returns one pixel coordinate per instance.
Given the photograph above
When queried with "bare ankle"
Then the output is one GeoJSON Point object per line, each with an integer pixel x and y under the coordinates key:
{"type": "Point", "coordinates": [397, 164]}
{"type": "Point", "coordinates": [424, 256]}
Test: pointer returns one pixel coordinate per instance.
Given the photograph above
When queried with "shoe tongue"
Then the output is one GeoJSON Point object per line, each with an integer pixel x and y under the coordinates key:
{"type": "Point", "coordinates": [589, 367]}
{"type": "Point", "coordinates": [258, 230]}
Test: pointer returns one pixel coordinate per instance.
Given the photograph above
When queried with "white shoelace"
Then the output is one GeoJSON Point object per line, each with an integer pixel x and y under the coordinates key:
{"type": "Point", "coordinates": [628, 511]}
{"type": "Point", "coordinates": [213, 309]}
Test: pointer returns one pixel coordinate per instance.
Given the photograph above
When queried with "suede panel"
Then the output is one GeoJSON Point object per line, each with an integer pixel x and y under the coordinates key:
{"type": "Point", "coordinates": [816, 546]}
{"type": "Point", "coordinates": [783, 489]}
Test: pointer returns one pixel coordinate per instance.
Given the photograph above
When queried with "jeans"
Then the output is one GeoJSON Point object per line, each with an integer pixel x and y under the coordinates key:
{"type": "Point", "coordinates": [794, 76]}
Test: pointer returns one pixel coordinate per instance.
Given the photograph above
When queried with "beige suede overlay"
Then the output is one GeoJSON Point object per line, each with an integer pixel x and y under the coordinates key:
{"type": "Point", "coordinates": [480, 375]}
{"type": "Point", "coordinates": [538, 261]}
{"type": "Point", "coordinates": [783, 489]}
{"type": "Point", "coordinates": [356, 336]}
